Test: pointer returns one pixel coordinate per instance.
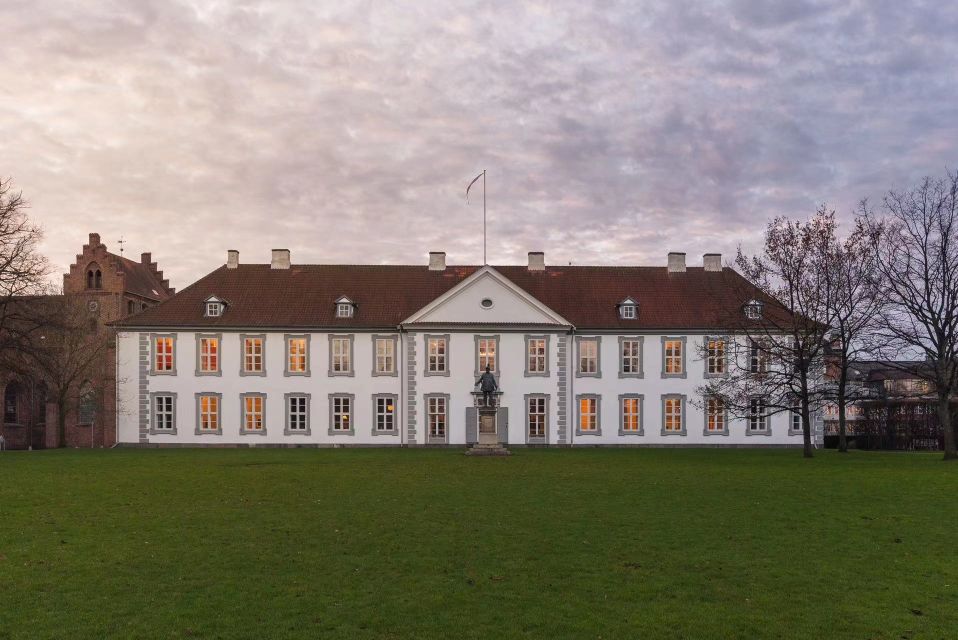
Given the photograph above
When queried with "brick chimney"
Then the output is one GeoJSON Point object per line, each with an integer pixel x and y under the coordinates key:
{"type": "Point", "coordinates": [537, 261]}
{"type": "Point", "coordinates": [232, 259]}
{"type": "Point", "coordinates": [712, 261]}
{"type": "Point", "coordinates": [437, 260]}
{"type": "Point", "coordinates": [676, 262]}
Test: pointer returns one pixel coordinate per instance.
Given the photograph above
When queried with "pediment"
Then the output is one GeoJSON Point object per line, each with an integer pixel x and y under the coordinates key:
{"type": "Point", "coordinates": [486, 297]}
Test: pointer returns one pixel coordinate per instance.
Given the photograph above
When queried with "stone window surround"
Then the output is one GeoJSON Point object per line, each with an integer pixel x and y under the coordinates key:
{"type": "Point", "coordinates": [683, 340]}
{"type": "Point", "coordinates": [495, 338]}
{"type": "Point", "coordinates": [286, 340]}
{"type": "Point", "coordinates": [705, 424]}
{"type": "Point", "coordinates": [683, 405]}
{"type": "Point", "coordinates": [430, 439]}
{"type": "Point", "coordinates": [436, 336]}
{"type": "Point", "coordinates": [243, 431]}
{"type": "Point", "coordinates": [219, 353]}
{"type": "Point", "coordinates": [632, 396]}
{"type": "Point", "coordinates": [395, 340]}
{"type": "Point", "coordinates": [641, 341]}
{"type": "Point", "coordinates": [395, 399]}
{"type": "Point", "coordinates": [705, 348]}
{"type": "Point", "coordinates": [352, 414]}
{"type": "Point", "coordinates": [298, 432]}
{"type": "Point", "coordinates": [545, 438]}
{"type": "Point", "coordinates": [154, 431]}
{"type": "Point", "coordinates": [767, 431]}
{"type": "Point", "coordinates": [352, 362]}
{"type": "Point", "coordinates": [527, 340]}
{"type": "Point", "coordinates": [153, 370]}
{"type": "Point", "coordinates": [598, 356]}
{"type": "Point", "coordinates": [791, 417]}
{"type": "Point", "coordinates": [243, 338]}
{"type": "Point", "coordinates": [598, 414]}
{"type": "Point", "coordinates": [219, 414]}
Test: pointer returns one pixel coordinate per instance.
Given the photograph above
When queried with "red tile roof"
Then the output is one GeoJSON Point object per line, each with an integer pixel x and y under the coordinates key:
{"type": "Point", "coordinates": [140, 278]}
{"type": "Point", "coordinates": [304, 295]}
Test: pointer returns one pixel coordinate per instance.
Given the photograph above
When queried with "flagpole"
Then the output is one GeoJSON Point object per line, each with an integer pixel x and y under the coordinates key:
{"type": "Point", "coordinates": [484, 262]}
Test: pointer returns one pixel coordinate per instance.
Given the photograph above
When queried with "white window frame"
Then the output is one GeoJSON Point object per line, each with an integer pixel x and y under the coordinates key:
{"type": "Point", "coordinates": [164, 418]}
{"type": "Point", "coordinates": [344, 309]}
{"type": "Point", "coordinates": [592, 412]}
{"type": "Point", "coordinates": [304, 356]}
{"type": "Point", "coordinates": [716, 415]}
{"type": "Point", "coordinates": [341, 355]}
{"type": "Point", "coordinates": [250, 357]}
{"type": "Point", "coordinates": [342, 406]}
{"type": "Point", "coordinates": [437, 414]}
{"type": "Point", "coordinates": [671, 358]}
{"type": "Point", "coordinates": [437, 359]}
{"type": "Point", "coordinates": [382, 402]}
{"type": "Point", "coordinates": [253, 414]}
{"type": "Point", "coordinates": [213, 414]}
{"type": "Point", "coordinates": [487, 352]}
{"type": "Point", "coordinates": [168, 350]}
{"type": "Point", "coordinates": [537, 414]}
{"type": "Point", "coordinates": [592, 361]}
{"type": "Point", "coordinates": [634, 359]}
{"type": "Point", "coordinates": [537, 364]}
{"type": "Point", "coordinates": [716, 360]}
{"type": "Point", "coordinates": [638, 414]}
{"type": "Point", "coordinates": [758, 420]}
{"type": "Point", "coordinates": [205, 355]}
{"type": "Point", "coordinates": [384, 355]}
{"type": "Point", "coordinates": [627, 311]}
{"type": "Point", "coordinates": [214, 309]}
{"type": "Point", "coordinates": [673, 414]}
{"type": "Point", "coordinates": [293, 417]}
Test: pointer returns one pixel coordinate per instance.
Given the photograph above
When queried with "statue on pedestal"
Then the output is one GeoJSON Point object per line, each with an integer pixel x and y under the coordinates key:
{"type": "Point", "coordinates": [488, 385]}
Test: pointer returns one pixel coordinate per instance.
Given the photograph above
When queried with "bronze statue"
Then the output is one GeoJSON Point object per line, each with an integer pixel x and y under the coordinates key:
{"type": "Point", "coordinates": [488, 385]}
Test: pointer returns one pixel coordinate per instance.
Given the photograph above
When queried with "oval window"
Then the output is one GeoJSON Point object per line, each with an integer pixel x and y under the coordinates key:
{"type": "Point", "coordinates": [486, 303]}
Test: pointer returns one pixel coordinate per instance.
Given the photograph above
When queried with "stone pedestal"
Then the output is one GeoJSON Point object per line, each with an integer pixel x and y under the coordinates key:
{"type": "Point", "coordinates": [488, 444]}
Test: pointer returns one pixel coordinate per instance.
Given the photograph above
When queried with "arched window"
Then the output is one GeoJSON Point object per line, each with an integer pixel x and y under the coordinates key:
{"type": "Point", "coordinates": [11, 397]}
{"type": "Point", "coordinates": [94, 278]}
{"type": "Point", "coordinates": [86, 410]}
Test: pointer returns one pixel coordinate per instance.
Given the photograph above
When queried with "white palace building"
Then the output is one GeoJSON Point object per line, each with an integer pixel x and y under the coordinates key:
{"type": "Point", "coordinates": [387, 355]}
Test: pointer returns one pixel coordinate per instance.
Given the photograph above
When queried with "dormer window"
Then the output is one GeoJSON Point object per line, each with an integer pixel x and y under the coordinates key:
{"type": "Point", "coordinates": [214, 307]}
{"type": "Point", "coordinates": [628, 309]}
{"type": "Point", "coordinates": [345, 308]}
{"type": "Point", "coordinates": [753, 310]}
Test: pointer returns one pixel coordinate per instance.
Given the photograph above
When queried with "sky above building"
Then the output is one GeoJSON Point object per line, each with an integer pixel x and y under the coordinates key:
{"type": "Point", "coordinates": [612, 132]}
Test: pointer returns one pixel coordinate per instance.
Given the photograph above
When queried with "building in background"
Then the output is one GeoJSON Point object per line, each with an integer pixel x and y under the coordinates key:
{"type": "Point", "coordinates": [112, 287]}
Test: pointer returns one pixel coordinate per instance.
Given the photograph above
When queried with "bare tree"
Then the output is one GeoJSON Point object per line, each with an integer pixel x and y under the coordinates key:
{"type": "Point", "coordinates": [69, 352]}
{"type": "Point", "coordinates": [777, 344]}
{"type": "Point", "coordinates": [23, 270]}
{"type": "Point", "coordinates": [917, 259]}
{"type": "Point", "coordinates": [851, 274]}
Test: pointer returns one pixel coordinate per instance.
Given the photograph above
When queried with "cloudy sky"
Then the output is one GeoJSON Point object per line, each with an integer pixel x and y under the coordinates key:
{"type": "Point", "coordinates": [347, 131]}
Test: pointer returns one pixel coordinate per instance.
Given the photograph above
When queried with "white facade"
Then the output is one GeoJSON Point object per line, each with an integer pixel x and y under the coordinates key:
{"type": "Point", "coordinates": [485, 306]}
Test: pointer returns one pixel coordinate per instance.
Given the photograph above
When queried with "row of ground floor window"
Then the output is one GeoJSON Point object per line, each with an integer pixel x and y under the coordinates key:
{"type": "Point", "coordinates": [340, 418]}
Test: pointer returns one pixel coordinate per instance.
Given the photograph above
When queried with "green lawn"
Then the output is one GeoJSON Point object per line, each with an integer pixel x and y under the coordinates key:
{"type": "Point", "coordinates": [632, 543]}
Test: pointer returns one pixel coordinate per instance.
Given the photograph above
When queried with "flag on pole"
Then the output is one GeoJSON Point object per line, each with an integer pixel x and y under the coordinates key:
{"type": "Point", "coordinates": [470, 185]}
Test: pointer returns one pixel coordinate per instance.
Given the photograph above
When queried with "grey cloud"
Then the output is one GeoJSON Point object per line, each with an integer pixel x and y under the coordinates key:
{"type": "Point", "coordinates": [347, 131]}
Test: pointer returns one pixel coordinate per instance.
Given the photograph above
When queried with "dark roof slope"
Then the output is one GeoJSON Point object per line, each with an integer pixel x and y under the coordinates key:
{"type": "Point", "coordinates": [140, 278]}
{"type": "Point", "coordinates": [385, 295]}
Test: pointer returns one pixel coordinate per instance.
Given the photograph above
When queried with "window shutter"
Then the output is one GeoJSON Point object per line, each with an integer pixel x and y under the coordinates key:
{"type": "Point", "coordinates": [472, 426]}
{"type": "Point", "coordinates": [502, 424]}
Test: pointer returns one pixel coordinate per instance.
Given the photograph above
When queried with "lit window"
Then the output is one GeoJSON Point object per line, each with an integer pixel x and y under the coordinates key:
{"type": "Point", "coordinates": [486, 353]}
{"type": "Point", "coordinates": [340, 349]}
{"type": "Point", "coordinates": [536, 357]}
{"type": "Point", "coordinates": [588, 414]}
{"type": "Point", "coordinates": [385, 355]}
{"type": "Point", "coordinates": [436, 355]}
{"type": "Point", "coordinates": [209, 413]}
{"type": "Point", "coordinates": [297, 413]}
{"type": "Point", "coordinates": [674, 357]}
{"type": "Point", "coordinates": [385, 414]}
{"type": "Point", "coordinates": [672, 415]}
{"type": "Point", "coordinates": [715, 414]}
{"type": "Point", "coordinates": [537, 417]}
{"type": "Point", "coordinates": [436, 409]}
{"type": "Point", "coordinates": [163, 413]}
{"type": "Point", "coordinates": [588, 356]}
{"type": "Point", "coordinates": [296, 355]}
{"type": "Point", "coordinates": [757, 358]}
{"type": "Point", "coordinates": [631, 357]}
{"type": "Point", "coordinates": [715, 363]}
{"type": "Point", "coordinates": [253, 355]}
{"type": "Point", "coordinates": [253, 413]}
{"type": "Point", "coordinates": [757, 415]}
{"type": "Point", "coordinates": [631, 412]}
{"type": "Point", "coordinates": [209, 355]}
{"type": "Point", "coordinates": [163, 354]}
{"type": "Point", "coordinates": [344, 310]}
{"type": "Point", "coordinates": [342, 413]}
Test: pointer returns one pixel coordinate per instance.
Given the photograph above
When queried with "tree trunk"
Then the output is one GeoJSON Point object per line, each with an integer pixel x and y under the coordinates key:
{"type": "Point", "coordinates": [842, 433]}
{"type": "Point", "coordinates": [806, 429]}
{"type": "Point", "coordinates": [61, 422]}
{"type": "Point", "coordinates": [944, 418]}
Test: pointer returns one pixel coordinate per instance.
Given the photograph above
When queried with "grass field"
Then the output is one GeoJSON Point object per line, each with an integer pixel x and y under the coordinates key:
{"type": "Point", "coordinates": [432, 544]}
